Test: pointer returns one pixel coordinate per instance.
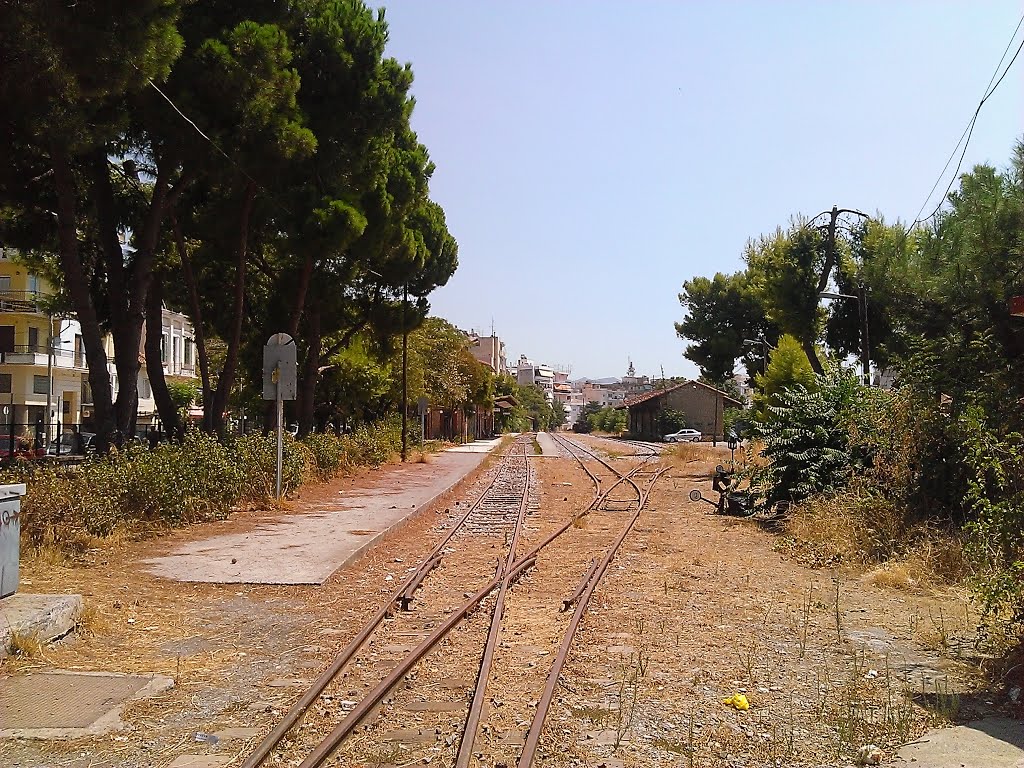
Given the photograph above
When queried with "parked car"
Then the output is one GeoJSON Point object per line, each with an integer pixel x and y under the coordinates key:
{"type": "Point", "coordinates": [683, 436]}
{"type": "Point", "coordinates": [73, 444]}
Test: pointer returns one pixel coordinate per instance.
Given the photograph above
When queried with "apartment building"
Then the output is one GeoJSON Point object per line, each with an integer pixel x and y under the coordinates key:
{"type": "Point", "coordinates": [543, 376]}
{"type": "Point", "coordinates": [30, 376]}
{"type": "Point", "coordinates": [489, 350]}
{"type": "Point", "coordinates": [42, 356]}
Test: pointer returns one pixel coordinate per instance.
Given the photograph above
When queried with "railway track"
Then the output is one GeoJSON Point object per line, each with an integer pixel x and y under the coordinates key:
{"type": "Point", "coordinates": [427, 615]}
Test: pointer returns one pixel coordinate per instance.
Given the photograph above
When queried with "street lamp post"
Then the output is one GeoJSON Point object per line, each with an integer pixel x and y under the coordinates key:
{"type": "Point", "coordinates": [49, 377]}
{"type": "Point", "coordinates": [861, 297]}
{"type": "Point", "coordinates": [765, 347]}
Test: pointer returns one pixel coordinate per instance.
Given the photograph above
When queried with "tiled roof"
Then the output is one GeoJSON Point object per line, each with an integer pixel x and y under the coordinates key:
{"type": "Point", "coordinates": [646, 396]}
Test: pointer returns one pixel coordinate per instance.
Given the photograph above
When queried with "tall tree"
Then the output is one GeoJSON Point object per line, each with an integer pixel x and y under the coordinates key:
{"type": "Point", "coordinates": [64, 74]}
{"type": "Point", "coordinates": [721, 313]}
{"type": "Point", "coordinates": [784, 270]}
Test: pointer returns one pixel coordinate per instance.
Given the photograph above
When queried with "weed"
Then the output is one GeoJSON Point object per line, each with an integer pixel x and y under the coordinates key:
{"type": "Point", "coordinates": [23, 645]}
{"type": "Point", "coordinates": [595, 715]}
{"type": "Point", "coordinates": [747, 659]}
{"type": "Point", "coordinates": [91, 621]}
{"type": "Point", "coordinates": [668, 746]}
{"type": "Point", "coordinates": [838, 611]}
{"type": "Point", "coordinates": [625, 704]}
{"type": "Point", "coordinates": [805, 612]}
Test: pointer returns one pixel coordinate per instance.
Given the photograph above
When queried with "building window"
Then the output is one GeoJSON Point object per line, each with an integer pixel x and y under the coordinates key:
{"type": "Point", "coordinates": [5, 284]}
{"type": "Point", "coordinates": [188, 352]}
{"type": "Point", "coordinates": [164, 348]}
{"type": "Point", "coordinates": [5, 383]}
{"type": "Point", "coordinates": [33, 339]}
{"type": "Point", "coordinates": [40, 385]}
{"type": "Point", "coordinates": [145, 391]}
{"type": "Point", "coordinates": [175, 364]}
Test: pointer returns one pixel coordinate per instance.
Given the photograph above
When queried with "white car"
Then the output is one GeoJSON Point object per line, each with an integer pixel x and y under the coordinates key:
{"type": "Point", "coordinates": [683, 436]}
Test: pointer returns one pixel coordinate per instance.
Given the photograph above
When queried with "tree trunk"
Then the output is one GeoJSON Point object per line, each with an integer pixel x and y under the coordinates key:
{"type": "Point", "coordinates": [128, 287]}
{"type": "Point", "coordinates": [310, 372]}
{"type": "Point", "coordinates": [81, 298]}
{"type": "Point", "coordinates": [300, 296]}
{"type": "Point", "coordinates": [154, 361]}
{"type": "Point", "coordinates": [197, 322]}
{"type": "Point", "coordinates": [219, 401]}
{"type": "Point", "coordinates": [812, 357]}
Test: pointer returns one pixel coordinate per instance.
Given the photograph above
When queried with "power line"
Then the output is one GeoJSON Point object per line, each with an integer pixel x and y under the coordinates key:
{"type": "Point", "coordinates": [198, 130]}
{"type": "Point", "coordinates": [965, 137]}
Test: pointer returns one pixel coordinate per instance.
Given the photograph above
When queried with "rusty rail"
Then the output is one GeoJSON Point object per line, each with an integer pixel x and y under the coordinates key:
{"type": "Point", "coordinates": [324, 749]}
{"type": "Point", "coordinates": [537, 725]}
{"type": "Point", "coordinates": [570, 601]}
{"type": "Point", "coordinates": [298, 709]}
{"type": "Point", "coordinates": [476, 707]}
{"type": "Point", "coordinates": [515, 568]}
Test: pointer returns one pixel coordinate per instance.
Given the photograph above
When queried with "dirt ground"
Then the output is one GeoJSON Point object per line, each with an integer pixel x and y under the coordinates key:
{"type": "Point", "coordinates": [695, 609]}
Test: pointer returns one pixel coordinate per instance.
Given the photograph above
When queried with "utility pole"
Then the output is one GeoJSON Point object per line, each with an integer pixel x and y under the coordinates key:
{"type": "Point", "coordinates": [862, 294]}
{"type": "Point", "coordinates": [830, 249]}
{"type": "Point", "coordinates": [405, 371]}
{"type": "Point", "coordinates": [865, 347]}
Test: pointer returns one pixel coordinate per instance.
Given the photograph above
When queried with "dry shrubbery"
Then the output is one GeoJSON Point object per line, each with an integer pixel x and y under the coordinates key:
{"type": "Point", "coordinates": [861, 529]}
{"type": "Point", "coordinates": [180, 483]}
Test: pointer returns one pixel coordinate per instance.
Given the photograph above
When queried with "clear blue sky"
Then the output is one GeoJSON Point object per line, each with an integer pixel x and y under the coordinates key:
{"type": "Point", "coordinates": [591, 156]}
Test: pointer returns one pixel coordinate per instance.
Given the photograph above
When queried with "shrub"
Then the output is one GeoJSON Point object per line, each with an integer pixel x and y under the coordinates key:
{"type": "Point", "coordinates": [256, 457]}
{"type": "Point", "coordinates": [806, 440]}
{"type": "Point", "coordinates": [182, 483]}
{"type": "Point", "coordinates": [996, 498]}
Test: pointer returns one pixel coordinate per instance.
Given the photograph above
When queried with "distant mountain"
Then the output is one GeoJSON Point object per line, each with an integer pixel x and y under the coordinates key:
{"type": "Point", "coordinates": [606, 380]}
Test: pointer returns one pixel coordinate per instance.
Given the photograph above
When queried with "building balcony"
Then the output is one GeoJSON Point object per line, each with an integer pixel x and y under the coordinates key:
{"type": "Point", "coordinates": [30, 302]}
{"type": "Point", "coordinates": [35, 354]}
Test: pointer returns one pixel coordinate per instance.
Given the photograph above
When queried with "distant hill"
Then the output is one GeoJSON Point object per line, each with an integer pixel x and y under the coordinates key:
{"type": "Point", "coordinates": [606, 380]}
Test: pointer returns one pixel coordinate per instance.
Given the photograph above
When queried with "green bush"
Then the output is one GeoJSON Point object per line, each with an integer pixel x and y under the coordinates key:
{"type": "Point", "coordinates": [183, 483]}
{"type": "Point", "coordinates": [806, 440]}
{"type": "Point", "coordinates": [996, 498]}
{"type": "Point", "coordinates": [328, 454]}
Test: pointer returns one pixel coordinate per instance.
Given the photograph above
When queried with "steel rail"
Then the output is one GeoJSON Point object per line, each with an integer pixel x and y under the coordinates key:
{"type": "Point", "coordinates": [351, 721]}
{"type": "Point", "coordinates": [622, 477]}
{"type": "Point", "coordinates": [292, 717]}
{"type": "Point", "coordinates": [543, 705]}
{"type": "Point", "coordinates": [476, 707]}
{"type": "Point", "coordinates": [356, 715]}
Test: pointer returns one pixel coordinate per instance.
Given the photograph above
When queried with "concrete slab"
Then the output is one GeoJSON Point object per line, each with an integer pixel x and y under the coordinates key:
{"type": "Point", "coordinates": [477, 446]}
{"type": "Point", "coordinates": [44, 617]}
{"type": "Point", "coordinates": [994, 742]}
{"type": "Point", "coordinates": [307, 547]}
{"type": "Point", "coordinates": [548, 445]}
{"type": "Point", "coordinates": [69, 705]}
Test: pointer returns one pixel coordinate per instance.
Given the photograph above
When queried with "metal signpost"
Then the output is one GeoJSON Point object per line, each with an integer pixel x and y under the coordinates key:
{"type": "Point", "coordinates": [280, 383]}
{"type": "Point", "coordinates": [422, 404]}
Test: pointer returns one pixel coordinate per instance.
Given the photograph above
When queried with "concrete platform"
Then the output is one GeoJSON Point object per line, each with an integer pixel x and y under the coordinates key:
{"type": "Point", "coordinates": [306, 547]}
{"type": "Point", "coordinates": [548, 445]}
{"type": "Point", "coordinates": [43, 617]}
{"type": "Point", "coordinates": [69, 705]}
{"type": "Point", "coordinates": [995, 742]}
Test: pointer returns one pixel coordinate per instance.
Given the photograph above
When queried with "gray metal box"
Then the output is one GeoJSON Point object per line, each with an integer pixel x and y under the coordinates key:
{"type": "Point", "coordinates": [10, 536]}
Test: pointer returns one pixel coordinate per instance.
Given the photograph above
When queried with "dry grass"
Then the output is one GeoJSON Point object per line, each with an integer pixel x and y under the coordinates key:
{"type": "Point", "coordinates": [862, 530]}
{"type": "Point", "coordinates": [24, 645]}
{"type": "Point", "coordinates": [691, 452]}
{"type": "Point", "coordinates": [92, 622]}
